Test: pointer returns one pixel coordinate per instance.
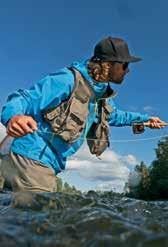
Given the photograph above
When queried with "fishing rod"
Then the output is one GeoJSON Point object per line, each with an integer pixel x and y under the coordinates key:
{"type": "Point", "coordinates": [137, 128]}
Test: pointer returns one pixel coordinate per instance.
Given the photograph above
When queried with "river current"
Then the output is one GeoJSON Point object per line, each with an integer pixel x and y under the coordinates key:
{"type": "Point", "coordinates": [87, 220]}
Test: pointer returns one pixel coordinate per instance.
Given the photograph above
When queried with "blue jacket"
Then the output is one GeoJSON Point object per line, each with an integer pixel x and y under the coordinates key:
{"type": "Point", "coordinates": [43, 145]}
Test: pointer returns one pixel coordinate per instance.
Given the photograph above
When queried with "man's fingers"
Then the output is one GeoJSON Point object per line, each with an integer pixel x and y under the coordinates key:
{"type": "Point", "coordinates": [32, 124]}
{"type": "Point", "coordinates": [17, 128]}
{"type": "Point", "coordinates": [158, 120]}
{"type": "Point", "coordinates": [156, 125]}
{"type": "Point", "coordinates": [13, 133]}
{"type": "Point", "coordinates": [21, 125]}
{"type": "Point", "coordinates": [25, 127]}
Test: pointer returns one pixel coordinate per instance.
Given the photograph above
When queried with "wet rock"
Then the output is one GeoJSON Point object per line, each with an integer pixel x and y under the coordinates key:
{"type": "Point", "coordinates": [92, 219]}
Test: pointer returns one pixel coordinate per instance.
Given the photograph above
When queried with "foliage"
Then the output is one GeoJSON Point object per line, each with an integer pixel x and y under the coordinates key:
{"type": "Point", "coordinates": [65, 187]}
{"type": "Point", "coordinates": [139, 182]}
{"type": "Point", "coordinates": [153, 182]}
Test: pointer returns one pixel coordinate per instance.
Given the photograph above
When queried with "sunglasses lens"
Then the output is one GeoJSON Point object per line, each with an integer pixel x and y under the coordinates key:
{"type": "Point", "coordinates": [125, 66]}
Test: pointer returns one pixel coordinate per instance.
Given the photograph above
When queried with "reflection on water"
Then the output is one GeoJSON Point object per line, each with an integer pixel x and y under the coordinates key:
{"type": "Point", "coordinates": [57, 219]}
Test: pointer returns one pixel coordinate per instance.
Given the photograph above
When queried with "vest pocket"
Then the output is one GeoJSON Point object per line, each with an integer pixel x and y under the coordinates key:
{"type": "Point", "coordinates": [75, 122]}
{"type": "Point", "coordinates": [97, 138]}
{"type": "Point", "coordinates": [56, 117]}
{"type": "Point", "coordinates": [79, 109]}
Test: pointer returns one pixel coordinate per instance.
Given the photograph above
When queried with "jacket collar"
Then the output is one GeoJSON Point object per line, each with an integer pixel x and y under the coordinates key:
{"type": "Point", "coordinates": [102, 90]}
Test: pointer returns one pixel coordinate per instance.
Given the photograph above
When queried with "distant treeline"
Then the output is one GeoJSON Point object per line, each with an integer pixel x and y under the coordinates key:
{"type": "Point", "coordinates": [150, 183]}
{"type": "Point", "coordinates": [65, 187]}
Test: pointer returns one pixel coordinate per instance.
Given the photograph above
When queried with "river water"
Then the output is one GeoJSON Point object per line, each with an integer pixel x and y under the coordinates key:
{"type": "Point", "coordinates": [91, 220]}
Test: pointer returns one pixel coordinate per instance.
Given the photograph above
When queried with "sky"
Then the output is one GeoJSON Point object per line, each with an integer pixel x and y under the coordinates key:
{"type": "Point", "coordinates": [39, 37]}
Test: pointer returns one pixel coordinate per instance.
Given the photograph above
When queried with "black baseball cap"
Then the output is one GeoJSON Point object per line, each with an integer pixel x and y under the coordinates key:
{"type": "Point", "coordinates": [113, 49]}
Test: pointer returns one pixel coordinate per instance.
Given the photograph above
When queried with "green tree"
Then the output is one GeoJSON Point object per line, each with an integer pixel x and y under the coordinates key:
{"type": "Point", "coordinates": [154, 179]}
{"type": "Point", "coordinates": [67, 187]}
{"type": "Point", "coordinates": [59, 184]}
{"type": "Point", "coordinates": [71, 190]}
{"type": "Point", "coordinates": [139, 182]}
{"type": "Point", "coordinates": [159, 171]}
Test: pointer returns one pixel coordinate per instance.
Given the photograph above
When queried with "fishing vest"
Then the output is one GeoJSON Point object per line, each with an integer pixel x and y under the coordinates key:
{"type": "Point", "coordinates": [68, 120]}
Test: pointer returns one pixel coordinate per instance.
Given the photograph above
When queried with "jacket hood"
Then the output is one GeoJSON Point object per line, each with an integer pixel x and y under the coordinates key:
{"type": "Point", "coordinates": [98, 87]}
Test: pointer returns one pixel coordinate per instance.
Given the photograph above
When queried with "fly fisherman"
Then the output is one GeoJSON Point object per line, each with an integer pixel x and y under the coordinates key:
{"type": "Point", "coordinates": [51, 120]}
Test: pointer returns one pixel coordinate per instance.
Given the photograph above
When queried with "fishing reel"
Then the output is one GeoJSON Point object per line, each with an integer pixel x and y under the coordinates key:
{"type": "Point", "coordinates": [139, 128]}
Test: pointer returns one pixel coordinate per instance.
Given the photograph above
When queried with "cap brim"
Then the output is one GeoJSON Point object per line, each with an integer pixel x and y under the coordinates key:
{"type": "Point", "coordinates": [130, 59]}
{"type": "Point", "coordinates": [133, 59]}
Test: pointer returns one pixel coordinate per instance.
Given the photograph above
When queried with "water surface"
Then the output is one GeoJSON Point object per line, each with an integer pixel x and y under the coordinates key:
{"type": "Point", "coordinates": [59, 219]}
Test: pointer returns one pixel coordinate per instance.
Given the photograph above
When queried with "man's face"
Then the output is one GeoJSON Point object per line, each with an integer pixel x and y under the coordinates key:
{"type": "Point", "coordinates": [118, 72]}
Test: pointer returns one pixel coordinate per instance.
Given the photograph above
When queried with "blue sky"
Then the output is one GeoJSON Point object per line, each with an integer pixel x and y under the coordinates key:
{"type": "Point", "coordinates": [38, 37]}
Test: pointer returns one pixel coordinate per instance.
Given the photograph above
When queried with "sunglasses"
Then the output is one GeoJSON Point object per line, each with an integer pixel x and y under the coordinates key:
{"type": "Point", "coordinates": [124, 65]}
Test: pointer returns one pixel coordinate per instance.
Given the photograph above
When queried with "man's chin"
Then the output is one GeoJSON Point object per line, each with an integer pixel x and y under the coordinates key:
{"type": "Point", "coordinates": [118, 81]}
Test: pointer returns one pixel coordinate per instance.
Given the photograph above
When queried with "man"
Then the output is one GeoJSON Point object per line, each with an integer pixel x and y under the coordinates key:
{"type": "Point", "coordinates": [51, 120]}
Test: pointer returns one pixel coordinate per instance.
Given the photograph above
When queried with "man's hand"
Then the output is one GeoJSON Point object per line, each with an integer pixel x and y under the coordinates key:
{"type": "Point", "coordinates": [21, 125]}
{"type": "Point", "coordinates": [156, 123]}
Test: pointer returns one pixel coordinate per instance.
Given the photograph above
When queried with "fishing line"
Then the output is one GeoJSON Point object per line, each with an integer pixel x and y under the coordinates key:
{"type": "Point", "coordinates": [119, 140]}
{"type": "Point", "coordinates": [92, 139]}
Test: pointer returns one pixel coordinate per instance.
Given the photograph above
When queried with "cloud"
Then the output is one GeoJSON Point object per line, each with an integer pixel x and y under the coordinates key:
{"type": "Point", "coordinates": [130, 159]}
{"type": "Point", "coordinates": [5, 147]}
{"type": "Point", "coordinates": [112, 170]}
{"type": "Point", "coordinates": [2, 131]}
{"type": "Point", "coordinates": [149, 109]}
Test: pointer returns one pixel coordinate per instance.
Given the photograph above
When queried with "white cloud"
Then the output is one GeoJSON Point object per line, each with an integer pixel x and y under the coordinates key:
{"type": "Point", "coordinates": [131, 159]}
{"type": "Point", "coordinates": [111, 170]}
{"type": "Point", "coordinates": [149, 109]}
{"type": "Point", "coordinates": [2, 131]}
{"type": "Point", "coordinates": [4, 148]}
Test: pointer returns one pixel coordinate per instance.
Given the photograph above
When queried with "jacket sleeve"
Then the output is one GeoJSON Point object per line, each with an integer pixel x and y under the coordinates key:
{"type": "Point", "coordinates": [125, 118]}
{"type": "Point", "coordinates": [48, 92]}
